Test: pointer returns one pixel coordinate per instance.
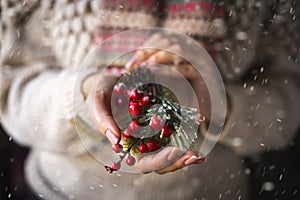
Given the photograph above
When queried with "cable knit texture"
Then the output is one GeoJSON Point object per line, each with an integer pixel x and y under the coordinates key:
{"type": "Point", "coordinates": [43, 43]}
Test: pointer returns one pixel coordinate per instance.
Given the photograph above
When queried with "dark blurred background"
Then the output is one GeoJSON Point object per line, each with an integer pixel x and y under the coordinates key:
{"type": "Point", "coordinates": [12, 183]}
{"type": "Point", "coordinates": [273, 175]}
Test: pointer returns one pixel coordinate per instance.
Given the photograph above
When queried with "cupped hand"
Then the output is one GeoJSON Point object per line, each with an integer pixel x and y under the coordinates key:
{"type": "Point", "coordinates": [168, 49]}
{"type": "Point", "coordinates": [99, 100]}
{"type": "Point", "coordinates": [98, 89]}
{"type": "Point", "coordinates": [167, 160]}
{"type": "Point", "coordinates": [160, 49]}
{"type": "Point", "coordinates": [154, 51]}
{"type": "Point", "coordinates": [165, 49]}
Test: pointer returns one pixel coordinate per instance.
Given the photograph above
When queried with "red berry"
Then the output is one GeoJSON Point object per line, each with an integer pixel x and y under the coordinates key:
{"type": "Point", "coordinates": [146, 99]}
{"type": "Point", "coordinates": [131, 102]}
{"type": "Point", "coordinates": [116, 165]}
{"type": "Point", "coordinates": [136, 94]}
{"type": "Point", "coordinates": [117, 148]}
{"type": "Point", "coordinates": [126, 134]}
{"type": "Point", "coordinates": [143, 148]}
{"type": "Point", "coordinates": [156, 122]}
{"type": "Point", "coordinates": [134, 126]}
{"type": "Point", "coordinates": [153, 145]}
{"type": "Point", "coordinates": [166, 131]}
{"type": "Point", "coordinates": [135, 109]}
{"type": "Point", "coordinates": [130, 160]}
{"type": "Point", "coordinates": [119, 88]}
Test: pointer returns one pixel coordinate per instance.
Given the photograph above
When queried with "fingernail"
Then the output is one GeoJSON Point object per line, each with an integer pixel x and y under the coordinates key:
{"type": "Point", "coordinates": [201, 160]}
{"type": "Point", "coordinates": [111, 137]}
{"type": "Point", "coordinates": [144, 63]}
{"type": "Point", "coordinates": [177, 62]}
{"type": "Point", "coordinates": [130, 63]}
{"type": "Point", "coordinates": [175, 153]}
{"type": "Point", "coordinates": [192, 160]}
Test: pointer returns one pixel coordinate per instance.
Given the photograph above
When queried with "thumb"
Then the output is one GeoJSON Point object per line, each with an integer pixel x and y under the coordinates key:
{"type": "Point", "coordinates": [100, 105]}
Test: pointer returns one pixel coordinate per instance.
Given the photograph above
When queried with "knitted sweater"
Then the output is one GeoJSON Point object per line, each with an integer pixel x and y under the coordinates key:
{"type": "Point", "coordinates": [44, 43]}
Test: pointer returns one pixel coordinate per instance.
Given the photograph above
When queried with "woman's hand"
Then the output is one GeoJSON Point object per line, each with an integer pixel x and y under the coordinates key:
{"type": "Point", "coordinates": [159, 49]}
{"type": "Point", "coordinates": [98, 90]}
{"type": "Point", "coordinates": [167, 160]}
{"type": "Point", "coordinates": [99, 102]}
{"type": "Point", "coordinates": [147, 54]}
{"type": "Point", "coordinates": [167, 51]}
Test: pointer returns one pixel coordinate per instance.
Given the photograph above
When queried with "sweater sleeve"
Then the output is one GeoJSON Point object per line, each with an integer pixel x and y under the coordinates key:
{"type": "Point", "coordinates": [37, 96]}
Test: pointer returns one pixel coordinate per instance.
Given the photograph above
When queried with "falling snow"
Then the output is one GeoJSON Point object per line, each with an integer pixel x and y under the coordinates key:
{"type": "Point", "coordinates": [268, 186]}
{"type": "Point", "coordinates": [274, 178]}
{"type": "Point", "coordinates": [247, 171]}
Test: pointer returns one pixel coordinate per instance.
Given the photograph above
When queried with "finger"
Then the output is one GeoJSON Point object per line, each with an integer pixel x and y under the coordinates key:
{"type": "Point", "coordinates": [147, 50]}
{"type": "Point", "coordinates": [167, 55]}
{"type": "Point", "coordinates": [148, 163]}
{"type": "Point", "coordinates": [152, 39]}
{"type": "Point", "coordinates": [139, 57]}
{"type": "Point", "coordinates": [186, 159]}
{"type": "Point", "coordinates": [154, 44]}
{"type": "Point", "coordinates": [104, 118]}
{"type": "Point", "coordinates": [187, 70]}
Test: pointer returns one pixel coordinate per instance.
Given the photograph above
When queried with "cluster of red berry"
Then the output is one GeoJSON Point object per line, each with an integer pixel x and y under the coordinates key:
{"type": "Point", "coordinates": [143, 134]}
{"type": "Point", "coordinates": [137, 98]}
{"type": "Point", "coordinates": [140, 100]}
{"type": "Point", "coordinates": [152, 117]}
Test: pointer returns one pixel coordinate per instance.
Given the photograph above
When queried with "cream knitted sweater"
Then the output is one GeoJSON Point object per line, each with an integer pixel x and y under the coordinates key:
{"type": "Point", "coordinates": [39, 70]}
